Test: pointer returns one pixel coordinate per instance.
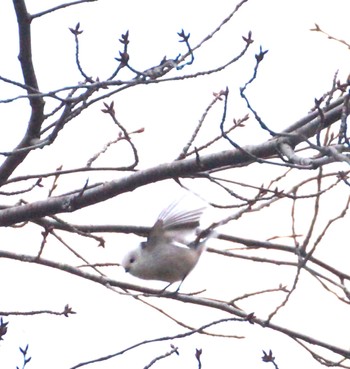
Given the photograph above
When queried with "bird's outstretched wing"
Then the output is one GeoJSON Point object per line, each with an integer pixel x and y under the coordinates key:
{"type": "Point", "coordinates": [175, 223]}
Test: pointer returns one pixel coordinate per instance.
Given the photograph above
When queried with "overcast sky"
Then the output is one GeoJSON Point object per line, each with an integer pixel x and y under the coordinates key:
{"type": "Point", "coordinates": [298, 68]}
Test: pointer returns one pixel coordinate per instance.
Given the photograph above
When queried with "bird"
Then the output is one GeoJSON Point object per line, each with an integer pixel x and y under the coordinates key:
{"type": "Point", "coordinates": [173, 246]}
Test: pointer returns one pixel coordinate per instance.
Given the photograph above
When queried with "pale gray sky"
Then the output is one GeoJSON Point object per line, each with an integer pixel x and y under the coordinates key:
{"type": "Point", "coordinates": [299, 67]}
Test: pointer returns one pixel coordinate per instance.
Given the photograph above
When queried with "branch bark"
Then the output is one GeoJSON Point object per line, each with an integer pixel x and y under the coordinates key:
{"type": "Point", "coordinates": [183, 168]}
{"type": "Point", "coordinates": [202, 301]}
{"type": "Point", "coordinates": [36, 102]}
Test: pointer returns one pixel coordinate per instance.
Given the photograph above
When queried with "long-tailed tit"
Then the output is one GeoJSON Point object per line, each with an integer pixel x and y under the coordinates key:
{"type": "Point", "coordinates": [173, 246]}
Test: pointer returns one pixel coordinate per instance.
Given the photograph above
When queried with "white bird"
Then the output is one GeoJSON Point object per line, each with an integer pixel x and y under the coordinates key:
{"type": "Point", "coordinates": [173, 247]}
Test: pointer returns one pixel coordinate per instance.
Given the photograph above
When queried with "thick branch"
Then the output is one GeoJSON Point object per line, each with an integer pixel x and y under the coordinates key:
{"type": "Point", "coordinates": [36, 103]}
{"type": "Point", "coordinates": [183, 168]}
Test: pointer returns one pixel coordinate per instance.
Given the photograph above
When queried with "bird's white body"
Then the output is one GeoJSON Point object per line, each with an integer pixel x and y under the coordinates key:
{"type": "Point", "coordinates": [172, 248]}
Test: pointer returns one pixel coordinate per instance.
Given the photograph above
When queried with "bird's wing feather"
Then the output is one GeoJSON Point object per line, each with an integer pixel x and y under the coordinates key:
{"type": "Point", "coordinates": [175, 223]}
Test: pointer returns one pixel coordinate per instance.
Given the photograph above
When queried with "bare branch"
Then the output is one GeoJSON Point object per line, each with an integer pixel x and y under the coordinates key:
{"type": "Point", "coordinates": [218, 305]}
{"type": "Point", "coordinates": [36, 103]}
{"type": "Point", "coordinates": [59, 7]}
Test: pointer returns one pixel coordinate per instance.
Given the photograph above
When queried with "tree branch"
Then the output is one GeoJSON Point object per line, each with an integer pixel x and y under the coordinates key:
{"type": "Point", "coordinates": [36, 103]}
{"type": "Point", "coordinates": [201, 301]}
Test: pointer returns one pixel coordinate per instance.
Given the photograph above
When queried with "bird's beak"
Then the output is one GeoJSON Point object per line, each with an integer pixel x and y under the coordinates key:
{"type": "Point", "coordinates": [127, 270]}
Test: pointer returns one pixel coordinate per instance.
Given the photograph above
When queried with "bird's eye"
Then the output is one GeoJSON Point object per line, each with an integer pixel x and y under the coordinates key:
{"type": "Point", "coordinates": [132, 260]}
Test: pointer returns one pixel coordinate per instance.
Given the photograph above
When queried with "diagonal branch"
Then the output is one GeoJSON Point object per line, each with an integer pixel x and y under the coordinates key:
{"type": "Point", "coordinates": [184, 168]}
{"type": "Point", "coordinates": [200, 301]}
{"type": "Point", "coordinates": [36, 102]}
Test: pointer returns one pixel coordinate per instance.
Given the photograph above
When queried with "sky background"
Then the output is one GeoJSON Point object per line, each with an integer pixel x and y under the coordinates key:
{"type": "Point", "coordinates": [298, 68]}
